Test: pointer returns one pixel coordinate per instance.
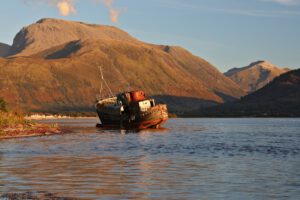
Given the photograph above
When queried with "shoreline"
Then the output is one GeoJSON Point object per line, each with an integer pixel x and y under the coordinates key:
{"type": "Point", "coordinates": [45, 117]}
{"type": "Point", "coordinates": [33, 131]}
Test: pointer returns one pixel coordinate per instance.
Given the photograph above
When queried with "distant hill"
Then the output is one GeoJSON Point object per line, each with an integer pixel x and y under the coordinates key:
{"type": "Point", "coordinates": [255, 76]}
{"type": "Point", "coordinates": [4, 48]}
{"type": "Point", "coordinates": [53, 66]}
{"type": "Point", "coordinates": [279, 98]}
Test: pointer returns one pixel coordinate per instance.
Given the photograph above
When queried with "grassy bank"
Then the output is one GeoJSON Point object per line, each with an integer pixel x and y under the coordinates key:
{"type": "Point", "coordinates": [8, 119]}
{"type": "Point", "coordinates": [13, 125]}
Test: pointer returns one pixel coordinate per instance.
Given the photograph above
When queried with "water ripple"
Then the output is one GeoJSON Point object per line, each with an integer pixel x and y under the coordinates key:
{"type": "Point", "coordinates": [191, 159]}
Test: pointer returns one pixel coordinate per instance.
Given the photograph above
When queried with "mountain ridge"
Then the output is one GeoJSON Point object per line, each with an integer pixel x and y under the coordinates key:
{"type": "Point", "coordinates": [46, 73]}
{"type": "Point", "coordinates": [31, 39]}
{"type": "Point", "coordinates": [279, 98]}
{"type": "Point", "coordinates": [255, 76]}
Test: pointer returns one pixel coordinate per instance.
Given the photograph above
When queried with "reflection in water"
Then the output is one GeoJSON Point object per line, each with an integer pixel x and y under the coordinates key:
{"type": "Point", "coordinates": [134, 178]}
{"type": "Point", "coordinates": [191, 159]}
{"type": "Point", "coordinates": [75, 176]}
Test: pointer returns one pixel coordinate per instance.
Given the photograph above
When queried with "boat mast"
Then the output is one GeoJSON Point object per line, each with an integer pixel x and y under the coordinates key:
{"type": "Point", "coordinates": [103, 81]}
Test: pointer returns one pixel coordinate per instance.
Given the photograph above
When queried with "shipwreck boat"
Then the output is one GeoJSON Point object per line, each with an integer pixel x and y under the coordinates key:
{"type": "Point", "coordinates": [131, 110]}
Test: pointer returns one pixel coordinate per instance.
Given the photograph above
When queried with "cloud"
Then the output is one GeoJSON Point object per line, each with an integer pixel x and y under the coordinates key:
{"type": "Point", "coordinates": [113, 13]}
{"type": "Point", "coordinates": [66, 7]}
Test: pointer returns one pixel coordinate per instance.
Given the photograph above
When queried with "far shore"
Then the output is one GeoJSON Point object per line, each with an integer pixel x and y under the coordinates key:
{"type": "Point", "coordinates": [41, 117]}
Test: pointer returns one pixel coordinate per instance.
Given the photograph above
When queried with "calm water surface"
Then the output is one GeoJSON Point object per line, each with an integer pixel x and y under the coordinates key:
{"type": "Point", "coordinates": [191, 159]}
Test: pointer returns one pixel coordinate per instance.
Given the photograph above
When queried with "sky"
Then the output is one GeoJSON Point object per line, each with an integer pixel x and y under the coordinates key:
{"type": "Point", "coordinates": [227, 33]}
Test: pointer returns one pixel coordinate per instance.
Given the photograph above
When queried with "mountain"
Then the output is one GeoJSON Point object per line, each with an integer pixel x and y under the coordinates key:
{"type": "Point", "coordinates": [4, 48]}
{"type": "Point", "coordinates": [255, 76]}
{"type": "Point", "coordinates": [47, 33]}
{"type": "Point", "coordinates": [53, 65]}
{"type": "Point", "coordinates": [279, 98]}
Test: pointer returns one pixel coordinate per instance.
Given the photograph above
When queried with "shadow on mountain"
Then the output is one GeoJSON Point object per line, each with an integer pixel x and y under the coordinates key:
{"type": "Point", "coordinates": [225, 97]}
{"type": "Point", "coordinates": [239, 109]}
{"type": "Point", "coordinates": [4, 49]}
{"type": "Point", "coordinates": [66, 51]}
{"type": "Point", "coordinates": [183, 105]}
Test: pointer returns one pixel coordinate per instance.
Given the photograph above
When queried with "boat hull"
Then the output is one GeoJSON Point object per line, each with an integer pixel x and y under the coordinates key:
{"type": "Point", "coordinates": [155, 117]}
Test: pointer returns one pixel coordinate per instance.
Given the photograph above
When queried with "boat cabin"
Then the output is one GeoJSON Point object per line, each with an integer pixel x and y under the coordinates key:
{"type": "Point", "coordinates": [135, 101]}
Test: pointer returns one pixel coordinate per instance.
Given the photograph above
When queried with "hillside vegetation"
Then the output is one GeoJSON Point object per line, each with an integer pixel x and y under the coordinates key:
{"type": "Point", "coordinates": [54, 67]}
{"type": "Point", "coordinates": [13, 124]}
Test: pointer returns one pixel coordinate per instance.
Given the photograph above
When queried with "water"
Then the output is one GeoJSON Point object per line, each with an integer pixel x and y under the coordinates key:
{"type": "Point", "coordinates": [191, 159]}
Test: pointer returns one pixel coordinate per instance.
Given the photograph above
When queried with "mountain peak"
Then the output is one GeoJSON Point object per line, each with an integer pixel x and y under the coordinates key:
{"type": "Point", "coordinates": [255, 75]}
{"type": "Point", "coordinates": [47, 20]}
{"type": "Point", "coordinates": [258, 62]}
{"type": "Point", "coordinates": [264, 65]}
{"type": "Point", "coordinates": [43, 20]}
{"type": "Point", "coordinates": [49, 32]}
{"type": "Point", "coordinates": [52, 21]}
